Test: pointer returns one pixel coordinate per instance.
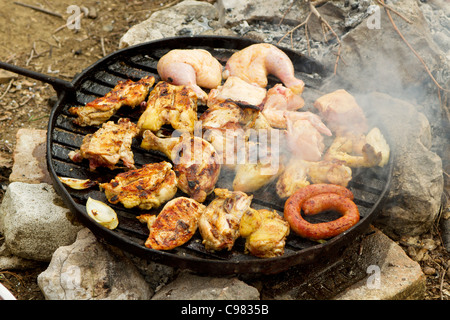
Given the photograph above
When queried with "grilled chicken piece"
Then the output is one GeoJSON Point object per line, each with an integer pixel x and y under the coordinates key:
{"type": "Point", "coordinates": [251, 176]}
{"type": "Point", "coordinates": [254, 63]}
{"type": "Point", "coordinates": [175, 224]}
{"type": "Point", "coordinates": [196, 163]}
{"type": "Point", "coordinates": [342, 113]}
{"type": "Point", "coordinates": [294, 177]}
{"type": "Point", "coordinates": [169, 104]}
{"type": "Point", "coordinates": [360, 150]}
{"type": "Point", "coordinates": [219, 223]}
{"type": "Point", "coordinates": [304, 140]}
{"type": "Point", "coordinates": [265, 232]}
{"type": "Point", "coordinates": [194, 68]}
{"type": "Point", "coordinates": [300, 173]}
{"type": "Point", "coordinates": [127, 93]}
{"type": "Point", "coordinates": [108, 145]}
{"type": "Point", "coordinates": [239, 91]}
{"type": "Point", "coordinates": [146, 188]}
{"type": "Point", "coordinates": [281, 98]}
{"type": "Point", "coordinates": [282, 104]}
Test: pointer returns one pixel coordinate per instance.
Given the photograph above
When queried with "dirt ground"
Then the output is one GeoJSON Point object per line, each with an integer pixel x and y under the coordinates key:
{"type": "Point", "coordinates": [38, 41]}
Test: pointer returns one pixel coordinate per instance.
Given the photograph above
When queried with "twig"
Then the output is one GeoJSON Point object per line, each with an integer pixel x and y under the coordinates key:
{"type": "Point", "coordinates": [324, 22]}
{"type": "Point", "coordinates": [7, 88]}
{"type": "Point", "coordinates": [394, 11]}
{"type": "Point", "coordinates": [414, 51]}
{"type": "Point", "coordinates": [102, 43]}
{"type": "Point", "coordinates": [295, 28]}
{"type": "Point", "coordinates": [56, 14]}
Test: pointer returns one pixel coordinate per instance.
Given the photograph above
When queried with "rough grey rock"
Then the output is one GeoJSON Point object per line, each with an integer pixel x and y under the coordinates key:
{"type": "Point", "coordinates": [188, 286]}
{"type": "Point", "coordinates": [72, 275]}
{"type": "Point", "coordinates": [35, 221]}
{"type": "Point", "coordinates": [186, 18]}
{"type": "Point", "coordinates": [414, 199]}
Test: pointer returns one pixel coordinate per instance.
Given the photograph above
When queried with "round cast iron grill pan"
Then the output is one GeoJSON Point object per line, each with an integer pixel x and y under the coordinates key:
{"type": "Point", "coordinates": [369, 186]}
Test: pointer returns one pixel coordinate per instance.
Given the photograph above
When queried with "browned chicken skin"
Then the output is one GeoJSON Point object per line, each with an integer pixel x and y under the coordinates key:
{"type": "Point", "coordinates": [101, 109]}
{"type": "Point", "coordinates": [196, 163]}
{"type": "Point", "coordinates": [175, 224]}
{"type": "Point", "coordinates": [265, 232]}
{"type": "Point", "coordinates": [219, 223]}
{"type": "Point", "coordinates": [146, 188]}
{"type": "Point", "coordinates": [108, 145]}
{"type": "Point", "coordinates": [169, 104]}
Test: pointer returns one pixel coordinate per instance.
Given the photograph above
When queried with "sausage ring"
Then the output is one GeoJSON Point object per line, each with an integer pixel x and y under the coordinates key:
{"type": "Point", "coordinates": [316, 198]}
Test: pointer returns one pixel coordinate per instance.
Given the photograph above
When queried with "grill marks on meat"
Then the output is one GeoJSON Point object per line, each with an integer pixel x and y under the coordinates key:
{"type": "Point", "coordinates": [103, 108]}
{"type": "Point", "coordinates": [146, 188]}
{"type": "Point", "coordinates": [108, 145]}
{"type": "Point", "coordinates": [196, 162]}
{"type": "Point", "coordinates": [175, 224]}
{"type": "Point", "coordinates": [169, 104]}
{"type": "Point", "coordinates": [219, 224]}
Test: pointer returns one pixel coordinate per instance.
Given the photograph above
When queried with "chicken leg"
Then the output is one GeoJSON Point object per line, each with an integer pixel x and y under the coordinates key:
{"type": "Point", "coordinates": [255, 62]}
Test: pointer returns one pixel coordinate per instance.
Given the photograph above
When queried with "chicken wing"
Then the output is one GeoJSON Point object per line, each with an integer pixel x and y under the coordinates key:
{"type": "Point", "coordinates": [196, 163]}
{"type": "Point", "coordinates": [255, 62]}
{"type": "Point", "coordinates": [102, 109]}
{"type": "Point", "coordinates": [169, 104]}
{"type": "Point", "coordinates": [108, 145]}
{"type": "Point", "coordinates": [194, 68]}
{"type": "Point", "coordinates": [146, 188]}
{"type": "Point", "coordinates": [265, 232]}
{"type": "Point", "coordinates": [175, 224]}
{"type": "Point", "coordinates": [219, 223]}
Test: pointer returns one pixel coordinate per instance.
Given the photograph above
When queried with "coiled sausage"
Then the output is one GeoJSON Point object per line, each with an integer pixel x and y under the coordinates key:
{"type": "Point", "coordinates": [316, 198]}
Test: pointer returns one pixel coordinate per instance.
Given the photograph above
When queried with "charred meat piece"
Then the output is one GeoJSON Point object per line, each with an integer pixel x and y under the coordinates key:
{"type": "Point", "coordinates": [146, 188]}
{"type": "Point", "coordinates": [219, 223]}
{"type": "Point", "coordinates": [265, 232]}
{"type": "Point", "coordinates": [108, 145]}
{"type": "Point", "coordinates": [169, 104]}
{"type": "Point", "coordinates": [127, 93]}
{"type": "Point", "coordinates": [195, 68]}
{"type": "Point", "coordinates": [175, 224]}
{"type": "Point", "coordinates": [196, 162]}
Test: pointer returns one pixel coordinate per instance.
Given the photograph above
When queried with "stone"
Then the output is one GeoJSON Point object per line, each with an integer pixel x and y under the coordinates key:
{"type": "Point", "coordinates": [188, 286]}
{"type": "Point", "coordinates": [233, 12]}
{"type": "Point", "coordinates": [391, 275]}
{"type": "Point", "coordinates": [89, 270]}
{"type": "Point", "coordinates": [414, 199]}
{"type": "Point", "coordinates": [383, 69]}
{"type": "Point", "coordinates": [35, 222]}
{"type": "Point", "coordinates": [186, 18]}
{"type": "Point", "coordinates": [30, 157]}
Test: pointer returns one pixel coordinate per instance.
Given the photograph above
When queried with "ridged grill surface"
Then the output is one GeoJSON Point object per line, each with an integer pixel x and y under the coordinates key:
{"type": "Point", "coordinates": [368, 185]}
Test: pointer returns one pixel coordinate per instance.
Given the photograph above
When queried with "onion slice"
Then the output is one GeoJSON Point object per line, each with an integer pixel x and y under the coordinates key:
{"type": "Point", "coordinates": [78, 184]}
{"type": "Point", "coordinates": [102, 213]}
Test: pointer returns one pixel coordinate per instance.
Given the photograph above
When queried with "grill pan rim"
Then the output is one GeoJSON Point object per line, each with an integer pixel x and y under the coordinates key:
{"type": "Point", "coordinates": [202, 265]}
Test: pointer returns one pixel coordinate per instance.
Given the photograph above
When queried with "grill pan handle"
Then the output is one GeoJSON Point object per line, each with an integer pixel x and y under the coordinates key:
{"type": "Point", "coordinates": [60, 86]}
